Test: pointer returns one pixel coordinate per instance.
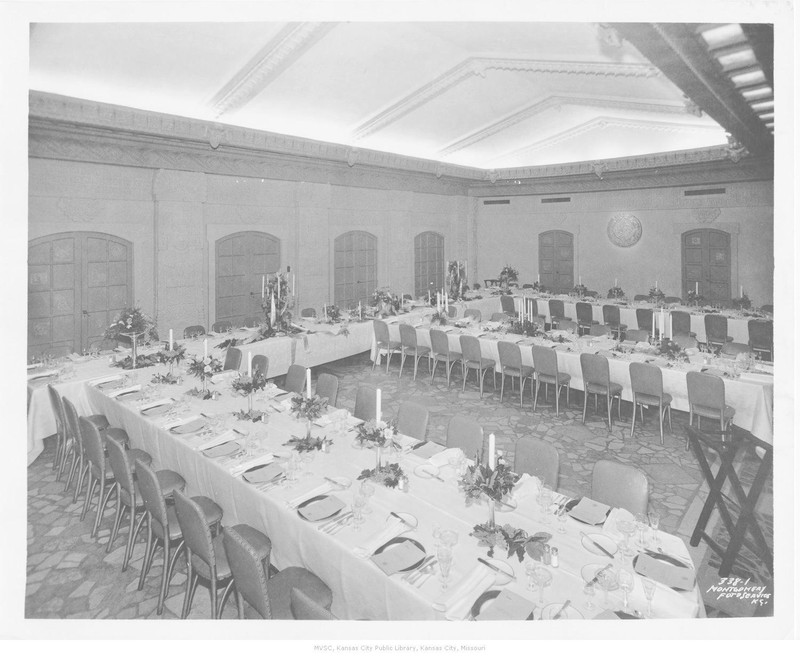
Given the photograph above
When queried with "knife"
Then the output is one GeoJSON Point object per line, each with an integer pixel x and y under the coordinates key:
{"type": "Point", "coordinates": [405, 521]}
{"type": "Point", "coordinates": [331, 525]}
{"type": "Point", "coordinates": [336, 483]}
{"type": "Point", "coordinates": [420, 445]}
{"type": "Point", "coordinates": [561, 610]}
{"type": "Point", "coordinates": [597, 575]}
{"type": "Point", "coordinates": [417, 570]}
{"type": "Point", "coordinates": [599, 546]}
{"type": "Point", "coordinates": [495, 568]}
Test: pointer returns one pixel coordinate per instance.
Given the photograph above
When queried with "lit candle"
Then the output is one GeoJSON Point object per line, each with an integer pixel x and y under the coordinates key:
{"type": "Point", "coordinates": [446, 303]}
{"type": "Point", "coordinates": [656, 284]}
{"type": "Point", "coordinates": [669, 324]}
{"type": "Point", "coordinates": [491, 451]}
{"type": "Point", "coordinates": [292, 284]}
{"type": "Point", "coordinates": [654, 325]}
{"type": "Point", "coordinates": [250, 363]}
{"type": "Point", "coordinates": [272, 311]}
{"type": "Point", "coordinates": [263, 286]}
{"type": "Point", "coordinates": [580, 280]}
{"type": "Point", "coordinates": [378, 405]}
{"type": "Point", "coordinates": [429, 297]}
{"type": "Point", "coordinates": [697, 288]}
{"type": "Point", "coordinates": [615, 282]}
{"type": "Point", "coordinates": [170, 339]}
{"type": "Point", "coordinates": [325, 311]}
{"type": "Point", "coordinates": [537, 278]}
{"type": "Point", "coordinates": [308, 383]}
{"type": "Point", "coordinates": [205, 348]}
{"type": "Point", "coordinates": [741, 291]}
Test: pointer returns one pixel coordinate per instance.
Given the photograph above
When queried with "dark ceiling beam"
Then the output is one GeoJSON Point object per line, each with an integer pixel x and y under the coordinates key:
{"type": "Point", "coordinates": [760, 36]}
{"type": "Point", "coordinates": [677, 50]}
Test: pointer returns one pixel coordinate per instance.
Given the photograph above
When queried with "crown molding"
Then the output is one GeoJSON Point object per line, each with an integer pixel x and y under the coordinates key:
{"type": "Point", "coordinates": [479, 66]}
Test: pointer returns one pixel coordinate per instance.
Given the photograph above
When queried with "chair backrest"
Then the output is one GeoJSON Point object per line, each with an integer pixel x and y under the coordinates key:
{"type": "Point", "coordinates": [732, 349]}
{"type": "Point", "coordinates": [620, 486]}
{"type": "Point", "coordinates": [644, 318]}
{"type": "Point", "coordinates": [193, 331]}
{"type": "Point", "coordinates": [466, 435]}
{"type": "Point", "coordinates": [681, 322]}
{"type": "Point", "coordinates": [260, 365]}
{"type": "Point", "coordinates": [706, 390]}
{"type": "Point", "coordinates": [716, 327]}
{"type": "Point", "coordinates": [671, 299]}
{"type": "Point", "coordinates": [567, 324]}
{"type": "Point", "coordinates": [475, 314]}
{"type": "Point", "coordinates": [71, 421]}
{"type": "Point", "coordinates": [537, 458]}
{"type": "Point", "coordinates": [440, 344]}
{"type": "Point", "coordinates": [153, 498]}
{"type": "Point", "coordinates": [539, 308]}
{"type": "Point", "coordinates": [611, 315]}
{"type": "Point", "coordinates": [248, 572]}
{"type": "Point", "coordinates": [599, 330]}
{"type": "Point", "coordinates": [760, 334]}
{"type": "Point", "coordinates": [408, 335]}
{"type": "Point", "coordinates": [637, 335]}
{"type": "Point", "coordinates": [58, 410]}
{"type": "Point", "coordinates": [767, 308]}
{"type": "Point", "coordinates": [640, 297]}
{"type": "Point", "coordinates": [594, 369]}
{"type": "Point", "coordinates": [510, 355]}
{"type": "Point", "coordinates": [556, 308]}
{"type": "Point", "coordinates": [507, 304]}
{"type": "Point", "coordinates": [195, 529]}
{"type": "Point", "coordinates": [451, 311]}
{"type": "Point", "coordinates": [295, 379]}
{"type": "Point", "coordinates": [221, 326]}
{"type": "Point", "coordinates": [499, 316]}
{"type": "Point", "coordinates": [545, 360]}
{"type": "Point", "coordinates": [381, 331]}
{"type": "Point", "coordinates": [328, 387]}
{"type": "Point", "coordinates": [305, 608]}
{"type": "Point", "coordinates": [233, 359]}
{"type": "Point", "coordinates": [365, 403]}
{"type": "Point", "coordinates": [412, 420]}
{"type": "Point", "coordinates": [252, 322]}
{"type": "Point", "coordinates": [470, 348]}
{"type": "Point", "coordinates": [308, 312]}
{"type": "Point", "coordinates": [584, 313]}
{"type": "Point", "coordinates": [120, 465]}
{"type": "Point", "coordinates": [93, 445]}
{"type": "Point", "coordinates": [684, 341]}
{"type": "Point", "coordinates": [646, 379]}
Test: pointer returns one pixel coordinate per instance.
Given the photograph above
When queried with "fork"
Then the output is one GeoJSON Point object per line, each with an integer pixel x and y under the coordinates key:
{"type": "Point", "coordinates": [422, 572]}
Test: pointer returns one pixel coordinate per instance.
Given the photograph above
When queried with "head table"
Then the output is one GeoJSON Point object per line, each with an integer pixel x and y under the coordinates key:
{"type": "Point", "coordinates": [361, 590]}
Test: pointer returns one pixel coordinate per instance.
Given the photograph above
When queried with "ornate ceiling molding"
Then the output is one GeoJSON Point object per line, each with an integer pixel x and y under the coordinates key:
{"type": "Point", "coordinates": [280, 53]}
{"type": "Point", "coordinates": [556, 102]}
{"type": "Point", "coordinates": [479, 66]}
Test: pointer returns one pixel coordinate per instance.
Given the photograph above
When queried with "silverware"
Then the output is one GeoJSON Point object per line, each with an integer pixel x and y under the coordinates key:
{"type": "Point", "coordinates": [495, 568]}
{"type": "Point", "coordinates": [561, 610]}
{"type": "Point", "coordinates": [597, 574]}
{"type": "Point", "coordinates": [335, 522]}
{"type": "Point", "coordinates": [418, 446]}
{"type": "Point", "coordinates": [422, 573]}
{"type": "Point", "coordinates": [599, 546]}
{"type": "Point", "coordinates": [416, 570]}
{"type": "Point", "coordinates": [405, 521]}
{"type": "Point", "coordinates": [336, 483]}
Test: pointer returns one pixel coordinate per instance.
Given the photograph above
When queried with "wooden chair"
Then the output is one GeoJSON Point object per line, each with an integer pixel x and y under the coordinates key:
{"type": "Point", "coordinates": [383, 343]}
{"type": "Point", "coordinates": [305, 608]}
{"type": "Point", "coordinates": [440, 352]}
{"type": "Point", "coordinates": [612, 320]}
{"type": "Point", "coordinates": [191, 332]}
{"type": "Point", "coordinates": [366, 403]}
{"type": "Point", "coordinates": [545, 365]}
{"type": "Point", "coordinates": [507, 305]}
{"type": "Point", "coordinates": [716, 330]}
{"type": "Point", "coordinates": [233, 359]}
{"type": "Point", "coordinates": [511, 365]}
{"type": "Point", "coordinates": [644, 319]}
{"type": "Point", "coordinates": [260, 365]}
{"type": "Point", "coordinates": [253, 322]}
{"type": "Point", "coordinates": [681, 323]}
{"type": "Point", "coordinates": [584, 315]}
{"type": "Point", "coordinates": [409, 347]}
{"type": "Point", "coordinates": [471, 358]}
{"type": "Point", "coordinates": [474, 314]}
{"type": "Point", "coordinates": [221, 326]}
{"type": "Point", "coordinates": [328, 388]}
{"type": "Point", "coordinates": [760, 337]}
{"type": "Point", "coordinates": [707, 399]}
{"type": "Point", "coordinates": [295, 380]}
{"type": "Point", "coordinates": [308, 312]}
{"type": "Point", "coordinates": [648, 389]}
{"type": "Point", "coordinates": [594, 370]}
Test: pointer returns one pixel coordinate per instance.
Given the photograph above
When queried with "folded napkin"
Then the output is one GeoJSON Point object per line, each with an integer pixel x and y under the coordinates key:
{"type": "Point", "coordinates": [527, 486]}
{"type": "Point", "coordinates": [133, 388]}
{"type": "Point", "coordinates": [457, 601]}
{"type": "Point", "coordinates": [326, 420]}
{"type": "Point", "coordinates": [671, 575]}
{"type": "Point", "coordinates": [242, 467]}
{"type": "Point", "coordinates": [610, 526]}
{"type": "Point", "coordinates": [507, 606]}
{"type": "Point", "coordinates": [443, 458]}
{"type": "Point", "coordinates": [224, 376]}
{"type": "Point", "coordinates": [428, 450]}
{"type": "Point", "coordinates": [394, 527]}
{"type": "Point", "coordinates": [227, 436]}
{"type": "Point", "coordinates": [320, 489]}
{"type": "Point", "coordinates": [404, 441]}
{"type": "Point", "coordinates": [43, 374]}
{"type": "Point", "coordinates": [155, 404]}
{"type": "Point", "coordinates": [105, 379]}
{"type": "Point", "coordinates": [589, 511]}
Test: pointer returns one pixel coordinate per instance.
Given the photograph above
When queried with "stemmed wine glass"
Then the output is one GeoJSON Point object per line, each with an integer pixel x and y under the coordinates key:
{"type": "Point", "coordinates": [448, 538]}
{"type": "Point", "coordinates": [641, 526]}
{"type": "Point", "coordinates": [543, 578]}
{"type": "Point", "coordinates": [444, 554]}
{"type": "Point", "coordinates": [367, 490]}
{"type": "Point", "coordinates": [359, 502]}
{"type": "Point", "coordinates": [607, 580]}
{"type": "Point", "coordinates": [627, 528]}
{"type": "Point", "coordinates": [625, 577]}
{"type": "Point", "coordinates": [561, 516]}
{"type": "Point", "coordinates": [588, 591]}
{"type": "Point", "coordinates": [653, 518]}
{"type": "Point", "coordinates": [649, 590]}
{"type": "Point", "coordinates": [545, 501]}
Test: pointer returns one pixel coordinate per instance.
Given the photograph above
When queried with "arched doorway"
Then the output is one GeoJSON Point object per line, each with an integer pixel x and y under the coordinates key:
{"type": "Point", "coordinates": [78, 282]}
{"type": "Point", "coordinates": [556, 261]}
{"type": "Point", "coordinates": [242, 259]}
{"type": "Point", "coordinates": [706, 263]}
{"type": "Point", "coordinates": [428, 263]}
{"type": "Point", "coordinates": [355, 268]}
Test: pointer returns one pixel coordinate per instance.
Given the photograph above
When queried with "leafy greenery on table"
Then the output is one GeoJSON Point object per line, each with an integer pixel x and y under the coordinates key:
{"type": "Point", "coordinates": [307, 443]}
{"type": "Point", "coordinates": [387, 475]}
{"type": "Point", "coordinates": [481, 480]}
{"type": "Point", "coordinates": [514, 541]}
{"type": "Point", "coordinates": [141, 362]}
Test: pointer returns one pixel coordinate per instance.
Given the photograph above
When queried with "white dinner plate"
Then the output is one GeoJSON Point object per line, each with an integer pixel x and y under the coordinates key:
{"type": "Point", "coordinates": [603, 540]}
{"type": "Point", "coordinates": [569, 613]}
{"type": "Point", "coordinates": [407, 517]}
{"type": "Point", "coordinates": [588, 572]}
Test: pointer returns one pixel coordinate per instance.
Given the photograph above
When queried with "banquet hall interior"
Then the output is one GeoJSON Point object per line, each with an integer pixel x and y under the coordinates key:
{"type": "Point", "coordinates": [400, 321]}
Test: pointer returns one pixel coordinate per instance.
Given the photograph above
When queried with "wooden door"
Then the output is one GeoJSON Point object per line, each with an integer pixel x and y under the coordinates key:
{"type": "Point", "coordinates": [242, 259]}
{"type": "Point", "coordinates": [429, 263]}
{"type": "Point", "coordinates": [556, 261]}
{"type": "Point", "coordinates": [706, 263]}
{"type": "Point", "coordinates": [355, 268]}
{"type": "Point", "coordinates": [78, 282]}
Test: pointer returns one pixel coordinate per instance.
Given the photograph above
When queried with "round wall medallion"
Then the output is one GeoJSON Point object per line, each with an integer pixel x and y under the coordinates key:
{"type": "Point", "coordinates": [624, 230]}
{"type": "Point", "coordinates": [707, 214]}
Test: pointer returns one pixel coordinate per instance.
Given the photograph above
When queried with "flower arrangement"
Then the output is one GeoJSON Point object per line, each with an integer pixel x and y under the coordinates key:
{"type": "Point", "coordinates": [580, 290]}
{"type": "Point", "coordinates": [377, 433]}
{"type": "Point", "coordinates": [526, 327]}
{"type": "Point", "coordinates": [228, 343]}
{"type": "Point", "coordinates": [508, 275]}
{"type": "Point", "coordinates": [672, 351]}
{"type": "Point", "coordinates": [245, 384]}
{"type": "Point", "coordinates": [172, 355]}
{"type": "Point", "coordinates": [308, 443]}
{"type": "Point", "coordinates": [387, 475]}
{"type": "Point", "coordinates": [202, 394]}
{"type": "Point", "coordinates": [252, 415]}
{"type": "Point", "coordinates": [742, 303]}
{"type": "Point", "coordinates": [204, 368]}
{"type": "Point", "coordinates": [616, 292]}
{"type": "Point", "coordinates": [481, 481]}
{"type": "Point", "coordinates": [277, 303]}
{"type": "Point", "coordinates": [656, 295]}
{"type": "Point", "coordinates": [514, 541]}
{"type": "Point", "coordinates": [141, 361]}
{"type": "Point", "coordinates": [439, 318]}
{"type": "Point", "coordinates": [457, 277]}
{"type": "Point", "coordinates": [385, 301]}
{"type": "Point", "coordinates": [165, 379]}
{"type": "Point", "coordinates": [332, 314]}
{"type": "Point", "coordinates": [694, 298]}
{"type": "Point", "coordinates": [309, 407]}
{"type": "Point", "coordinates": [132, 320]}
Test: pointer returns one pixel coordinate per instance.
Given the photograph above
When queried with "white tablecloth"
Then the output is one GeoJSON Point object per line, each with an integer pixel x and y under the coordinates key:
{"type": "Point", "coordinates": [360, 589]}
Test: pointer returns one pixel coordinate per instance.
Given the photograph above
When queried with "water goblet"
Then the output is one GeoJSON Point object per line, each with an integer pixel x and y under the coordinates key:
{"type": "Point", "coordinates": [649, 590]}
{"type": "Point", "coordinates": [367, 489]}
{"type": "Point", "coordinates": [641, 526]}
{"type": "Point", "coordinates": [359, 502]}
{"type": "Point", "coordinates": [448, 538]}
{"type": "Point", "coordinates": [291, 471]}
{"type": "Point", "coordinates": [588, 591]}
{"type": "Point", "coordinates": [607, 580]}
{"type": "Point", "coordinates": [444, 554]}
{"type": "Point", "coordinates": [561, 516]}
{"type": "Point", "coordinates": [543, 578]}
{"type": "Point", "coordinates": [627, 528]}
{"type": "Point", "coordinates": [530, 569]}
{"type": "Point", "coordinates": [308, 457]}
{"type": "Point", "coordinates": [437, 534]}
{"type": "Point", "coordinates": [653, 518]}
{"type": "Point", "coordinates": [625, 578]}
{"type": "Point", "coordinates": [545, 501]}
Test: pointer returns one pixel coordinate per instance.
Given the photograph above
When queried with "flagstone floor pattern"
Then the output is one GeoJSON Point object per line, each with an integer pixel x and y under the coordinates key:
{"type": "Point", "coordinates": [69, 574]}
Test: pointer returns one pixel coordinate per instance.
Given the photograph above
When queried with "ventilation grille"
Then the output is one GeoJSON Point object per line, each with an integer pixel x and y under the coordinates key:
{"type": "Point", "coordinates": [497, 202]}
{"type": "Point", "coordinates": [563, 199]}
{"type": "Point", "coordinates": [704, 192]}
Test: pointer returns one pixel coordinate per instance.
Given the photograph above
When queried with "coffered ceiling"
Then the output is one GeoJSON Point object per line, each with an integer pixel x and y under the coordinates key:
{"type": "Point", "coordinates": [485, 95]}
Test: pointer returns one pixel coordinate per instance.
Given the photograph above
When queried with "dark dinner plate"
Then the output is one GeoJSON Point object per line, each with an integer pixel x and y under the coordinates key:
{"type": "Point", "coordinates": [481, 601]}
{"type": "Point", "coordinates": [665, 558]}
{"type": "Point", "coordinates": [400, 540]}
{"type": "Point", "coordinates": [574, 502]}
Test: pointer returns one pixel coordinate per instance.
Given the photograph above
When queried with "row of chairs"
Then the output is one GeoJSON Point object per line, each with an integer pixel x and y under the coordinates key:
{"type": "Point", "coordinates": [229, 560]}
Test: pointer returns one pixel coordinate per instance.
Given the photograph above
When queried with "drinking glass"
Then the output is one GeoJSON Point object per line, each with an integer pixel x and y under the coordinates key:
{"type": "Point", "coordinates": [653, 518]}
{"type": "Point", "coordinates": [437, 534]}
{"type": "Point", "coordinates": [543, 578]}
{"type": "Point", "coordinates": [530, 569]}
{"type": "Point", "coordinates": [607, 580]}
{"type": "Point", "coordinates": [588, 591]}
{"type": "Point", "coordinates": [448, 538]}
{"type": "Point", "coordinates": [641, 526]}
{"type": "Point", "coordinates": [545, 501]}
{"type": "Point", "coordinates": [561, 516]}
{"type": "Point", "coordinates": [649, 590]}
{"type": "Point", "coordinates": [359, 502]}
{"type": "Point", "coordinates": [625, 578]}
{"type": "Point", "coordinates": [308, 457]}
{"type": "Point", "coordinates": [627, 528]}
{"type": "Point", "coordinates": [444, 554]}
{"type": "Point", "coordinates": [367, 490]}
{"type": "Point", "coordinates": [291, 470]}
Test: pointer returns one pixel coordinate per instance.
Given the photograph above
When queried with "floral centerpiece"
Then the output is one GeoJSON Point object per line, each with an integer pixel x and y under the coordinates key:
{"type": "Point", "coordinates": [742, 303]}
{"type": "Point", "coordinates": [203, 368]}
{"type": "Point", "coordinates": [309, 408]}
{"type": "Point", "coordinates": [508, 275]}
{"type": "Point", "coordinates": [656, 295]}
{"type": "Point", "coordinates": [525, 327]}
{"type": "Point", "coordinates": [616, 292]}
{"type": "Point", "coordinates": [133, 326]}
{"type": "Point", "coordinates": [672, 351]}
{"type": "Point", "coordinates": [246, 385]}
{"type": "Point", "coordinates": [580, 290]}
{"type": "Point", "coordinates": [457, 279]}
{"type": "Point", "coordinates": [385, 301]}
{"type": "Point", "coordinates": [136, 361]}
{"type": "Point", "coordinates": [378, 434]}
{"type": "Point", "coordinates": [332, 314]}
{"type": "Point", "coordinates": [308, 443]}
{"type": "Point", "coordinates": [694, 298]}
{"type": "Point", "coordinates": [387, 475]}
{"type": "Point", "coordinates": [514, 541]}
{"type": "Point", "coordinates": [482, 482]}
{"type": "Point", "coordinates": [439, 318]}
{"type": "Point", "coordinates": [277, 303]}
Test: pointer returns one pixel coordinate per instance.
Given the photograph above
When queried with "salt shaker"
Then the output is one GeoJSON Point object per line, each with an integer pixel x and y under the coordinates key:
{"type": "Point", "coordinates": [554, 556]}
{"type": "Point", "coordinates": [546, 555]}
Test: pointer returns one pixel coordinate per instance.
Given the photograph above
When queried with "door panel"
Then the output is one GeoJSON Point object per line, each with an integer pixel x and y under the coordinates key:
{"type": "Point", "coordinates": [556, 260]}
{"type": "Point", "coordinates": [706, 258]}
{"type": "Point", "coordinates": [355, 273]}
{"type": "Point", "coordinates": [428, 263]}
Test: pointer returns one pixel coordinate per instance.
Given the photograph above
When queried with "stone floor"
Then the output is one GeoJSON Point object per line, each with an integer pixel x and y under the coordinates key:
{"type": "Point", "coordinates": [69, 574]}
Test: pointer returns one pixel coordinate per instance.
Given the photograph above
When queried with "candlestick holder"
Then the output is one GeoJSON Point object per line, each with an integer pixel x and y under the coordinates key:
{"type": "Point", "coordinates": [133, 337]}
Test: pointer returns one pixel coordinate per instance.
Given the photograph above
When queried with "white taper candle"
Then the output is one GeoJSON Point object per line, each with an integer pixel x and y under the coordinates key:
{"type": "Point", "coordinates": [205, 347]}
{"type": "Point", "coordinates": [491, 451]}
{"type": "Point", "coordinates": [378, 404]}
{"type": "Point", "coordinates": [170, 339]}
{"type": "Point", "coordinates": [308, 382]}
{"type": "Point", "coordinates": [250, 363]}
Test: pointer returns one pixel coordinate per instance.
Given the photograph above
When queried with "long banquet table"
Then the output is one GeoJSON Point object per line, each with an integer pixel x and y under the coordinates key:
{"type": "Point", "coordinates": [360, 589]}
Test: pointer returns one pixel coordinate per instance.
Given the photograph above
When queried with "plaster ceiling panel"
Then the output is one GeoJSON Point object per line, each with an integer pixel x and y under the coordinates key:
{"type": "Point", "coordinates": [168, 67]}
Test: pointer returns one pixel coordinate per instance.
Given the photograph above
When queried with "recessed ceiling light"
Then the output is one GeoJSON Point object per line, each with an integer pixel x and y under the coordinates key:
{"type": "Point", "coordinates": [769, 125]}
{"type": "Point", "coordinates": [757, 92]}
{"type": "Point", "coordinates": [762, 105]}
{"type": "Point", "coordinates": [724, 35]}
{"type": "Point", "coordinates": [737, 58]}
{"type": "Point", "coordinates": [748, 77]}
{"type": "Point", "coordinates": [767, 116]}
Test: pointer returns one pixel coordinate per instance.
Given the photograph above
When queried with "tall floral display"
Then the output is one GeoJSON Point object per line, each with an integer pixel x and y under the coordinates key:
{"type": "Point", "coordinates": [457, 279]}
{"type": "Point", "coordinates": [133, 327]}
{"type": "Point", "coordinates": [278, 301]}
